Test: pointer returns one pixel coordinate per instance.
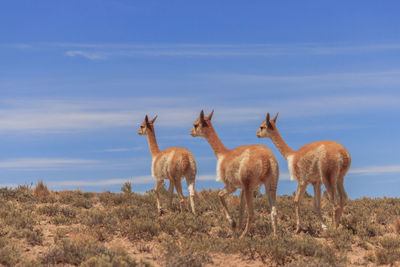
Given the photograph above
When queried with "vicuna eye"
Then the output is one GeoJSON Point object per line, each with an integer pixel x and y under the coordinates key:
{"type": "Point", "coordinates": [195, 125]}
{"type": "Point", "coordinates": [141, 126]}
{"type": "Point", "coordinates": [262, 127]}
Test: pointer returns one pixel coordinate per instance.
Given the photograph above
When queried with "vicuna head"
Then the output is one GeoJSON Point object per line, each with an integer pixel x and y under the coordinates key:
{"type": "Point", "coordinates": [202, 125]}
{"type": "Point", "coordinates": [147, 126]}
{"type": "Point", "coordinates": [268, 127]}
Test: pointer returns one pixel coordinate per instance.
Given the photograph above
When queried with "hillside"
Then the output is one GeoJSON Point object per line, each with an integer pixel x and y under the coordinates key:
{"type": "Point", "coordinates": [41, 227]}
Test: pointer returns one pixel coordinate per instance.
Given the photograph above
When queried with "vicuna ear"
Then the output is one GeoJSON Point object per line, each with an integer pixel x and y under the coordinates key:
{"type": "Point", "coordinates": [267, 120]}
{"type": "Point", "coordinates": [210, 115]}
{"type": "Point", "coordinates": [202, 117]}
{"type": "Point", "coordinates": [276, 116]}
{"type": "Point", "coordinates": [146, 119]}
{"type": "Point", "coordinates": [154, 119]}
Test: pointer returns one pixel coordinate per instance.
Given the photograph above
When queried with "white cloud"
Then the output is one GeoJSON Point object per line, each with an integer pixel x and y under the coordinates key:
{"type": "Point", "coordinates": [375, 170]}
{"type": "Point", "coordinates": [52, 164]}
{"type": "Point", "coordinates": [122, 149]}
{"type": "Point", "coordinates": [379, 79]}
{"type": "Point", "coordinates": [147, 179]}
{"type": "Point", "coordinates": [76, 115]}
{"type": "Point", "coordinates": [85, 54]}
{"type": "Point", "coordinates": [102, 51]}
{"type": "Point", "coordinates": [96, 51]}
{"type": "Point", "coordinates": [45, 163]}
{"type": "Point", "coordinates": [101, 182]}
{"type": "Point", "coordinates": [58, 116]}
{"type": "Point", "coordinates": [9, 185]}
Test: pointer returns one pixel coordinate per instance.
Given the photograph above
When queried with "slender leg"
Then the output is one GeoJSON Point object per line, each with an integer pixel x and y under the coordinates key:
{"type": "Point", "coordinates": [342, 201]}
{"type": "Point", "coordinates": [301, 188]}
{"type": "Point", "coordinates": [224, 192]}
{"type": "Point", "coordinates": [171, 193]}
{"type": "Point", "coordinates": [271, 192]}
{"type": "Point", "coordinates": [317, 204]}
{"type": "Point", "coordinates": [159, 183]}
{"type": "Point", "coordinates": [241, 208]}
{"type": "Point", "coordinates": [250, 210]}
{"type": "Point", "coordinates": [190, 183]}
{"type": "Point", "coordinates": [331, 188]}
{"type": "Point", "coordinates": [178, 187]}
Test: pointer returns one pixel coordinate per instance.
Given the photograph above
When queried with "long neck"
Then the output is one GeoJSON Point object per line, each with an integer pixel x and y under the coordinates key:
{"type": "Point", "coordinates": [151, 138]}
{"type": "Point", "coordinates": [215, 143]}
{"type": "Point", "coordinates": [281, 144]}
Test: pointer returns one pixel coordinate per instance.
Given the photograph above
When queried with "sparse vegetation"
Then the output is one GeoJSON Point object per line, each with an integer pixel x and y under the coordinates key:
{"type": "Point", "coordinates": [42, 227]}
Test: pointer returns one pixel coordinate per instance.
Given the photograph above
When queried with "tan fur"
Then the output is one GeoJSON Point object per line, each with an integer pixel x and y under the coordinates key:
{"type": "Point", "coordinates": [322, 162]}
{"type": "Point", "coordinates": [243, 167]}
{"type": "Point", "coordinates": [173, 163]}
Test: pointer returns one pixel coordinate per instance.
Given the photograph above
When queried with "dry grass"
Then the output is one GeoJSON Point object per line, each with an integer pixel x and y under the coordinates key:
{"type": "Point", "coordinates": [41, 191]}
{"type": "Point", "coordinates": [396, 226]}
{"type": "Point", "coordinates": [68, 228]}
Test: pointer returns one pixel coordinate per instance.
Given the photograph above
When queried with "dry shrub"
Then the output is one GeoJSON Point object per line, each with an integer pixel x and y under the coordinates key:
{"type": "Point", "coordinates": [41, 191]}
{"type": "Point", "coordinates": [389, 253]}
{"type": "Point", "coordinates": [396, 226]}
{"type": "Point", "coordinates": [183, 255]}
{"type": "Point", "coordinates": [33, 237]}
{"type": "Point", "coordinates": [85, 250]}
{"type": "Point", "coordinates": [127, 188]}
{"type": "Point", "coordinates": [76, 198]}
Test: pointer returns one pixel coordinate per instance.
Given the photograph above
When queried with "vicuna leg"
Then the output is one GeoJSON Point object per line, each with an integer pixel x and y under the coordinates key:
{"type": "Point", "coordinates": [301, 188]}
{"type": "Point", "coordinates": [271, 192]}
{"type": "Point", "coordinates": [241, 208]}
{"type": "Point", "coordinates": [331, 188]}
{"type": "Point", "coordinates": [224, 192]}
{"type": "Point", "coordinates": [171, 193]}
{"type": "Point", "coordinates": [342, 200]}
{"type": "Point", "coordinates": [317, 204]}
{"type": "Point", "coordinates": [159, 183]}
{"type": "Point", "coordinates": [250, 210]}
{"type": "Point", "coordinates": [190, 184]}
{"type": "Point", "coordinates": [178, 187]}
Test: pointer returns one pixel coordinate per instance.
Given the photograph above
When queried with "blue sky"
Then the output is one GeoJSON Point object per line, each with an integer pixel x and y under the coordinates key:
{"type": "Point", "coordinates": [77, 78]}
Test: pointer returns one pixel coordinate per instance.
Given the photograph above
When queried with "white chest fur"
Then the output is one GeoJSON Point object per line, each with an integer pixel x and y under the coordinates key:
{"type": "Point", "coordinates": [291, 168]}
{"type": "Point", "coordinates": [219, 162]}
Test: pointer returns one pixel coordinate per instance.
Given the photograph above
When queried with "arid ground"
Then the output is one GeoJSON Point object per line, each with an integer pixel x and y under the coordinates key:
{"type": "Point", "coordinates": [74, 228]}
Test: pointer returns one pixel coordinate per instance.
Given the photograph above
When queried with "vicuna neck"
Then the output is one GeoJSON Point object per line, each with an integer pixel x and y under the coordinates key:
{"type": "Point", "coordinates": [281, 144]}
{"type": "Point", "coordinates": [151, 138]}
{"type": "Point", "coordinates": [215, 143]}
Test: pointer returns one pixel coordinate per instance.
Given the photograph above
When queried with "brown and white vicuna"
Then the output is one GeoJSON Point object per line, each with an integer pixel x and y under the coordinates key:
{"type": "Point", "coordinates": [243, 167]}
{"type": "Point", "coordinates": [173, 163]}
{"type": "Point", "coordinates": [322, 162]}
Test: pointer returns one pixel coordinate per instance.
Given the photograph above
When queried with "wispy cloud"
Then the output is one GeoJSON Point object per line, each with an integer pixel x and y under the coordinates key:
{"type": "Point", "coordinates": [52, 116]}
{"type": "Point", "coordinates": [149, 180]}
{"type": "Point", "coordinates": [101, 182]}
{"type": "Point", "coordinates": [85, 54]}
{"type": "Point", "coordinates": [45, 163]}
{"type": "Point", "coordinates": [102, 51]}
{"type": "Point", "coordinates": [55, 116]}
{"type": "Point", "coordinates": [75, 184]}
{"type": "Point", "coordinates": [121, 149]}
{"type": "Point", "coordinates": [96, 51]}
{"type": "Point", "coordinates": [56, 164]}
{"type": "Point", "coordinates": [376, 170]}
{"type": "Point", "coordinates": [380, 79]}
